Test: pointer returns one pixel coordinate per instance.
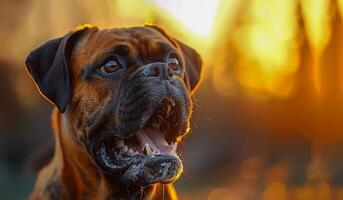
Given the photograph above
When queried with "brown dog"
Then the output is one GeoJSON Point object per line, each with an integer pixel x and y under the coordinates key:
{"type": "Point", "coordinates": [123, 99]}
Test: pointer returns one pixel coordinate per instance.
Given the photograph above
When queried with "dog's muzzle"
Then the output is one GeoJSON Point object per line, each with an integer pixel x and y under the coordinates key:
{"type": "Point", "coordinates": [153, 111]}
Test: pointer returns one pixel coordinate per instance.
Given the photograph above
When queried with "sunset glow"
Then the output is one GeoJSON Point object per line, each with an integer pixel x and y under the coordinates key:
{"type": "Point", "coordinates": [197, 16]}
{"type": "Point", "coordinates": [267, 117]}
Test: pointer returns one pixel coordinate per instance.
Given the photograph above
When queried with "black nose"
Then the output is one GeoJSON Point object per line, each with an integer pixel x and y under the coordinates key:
{"type": "Point", "coordinates": [160, 70]}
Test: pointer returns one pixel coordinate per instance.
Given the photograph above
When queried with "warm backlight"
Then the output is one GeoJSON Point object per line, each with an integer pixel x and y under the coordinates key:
{"type": "Point", "coordinates": [197, 16]}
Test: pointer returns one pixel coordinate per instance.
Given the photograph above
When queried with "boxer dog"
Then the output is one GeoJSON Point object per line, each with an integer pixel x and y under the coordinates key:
{"type": "Point", "coordinates": [123, 103]}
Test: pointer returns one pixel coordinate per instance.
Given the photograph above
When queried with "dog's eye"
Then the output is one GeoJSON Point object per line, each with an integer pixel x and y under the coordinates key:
{"type": "Point", "coordinates": [110, 67]}
{"type": "Point", "coordinates": [173, 63]}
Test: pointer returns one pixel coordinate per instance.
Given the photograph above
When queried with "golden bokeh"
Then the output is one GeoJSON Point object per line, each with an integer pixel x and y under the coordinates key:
{"type": "Point", "coordinates": [276, 64]}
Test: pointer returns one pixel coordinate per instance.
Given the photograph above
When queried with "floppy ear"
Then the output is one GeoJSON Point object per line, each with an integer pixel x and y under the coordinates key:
{"type": "Point", "coordinates": [193, 61]}
{"type": "Point", "coordinates": [49, 68]}
{"type": "Point", "coordinates": [194, 66]}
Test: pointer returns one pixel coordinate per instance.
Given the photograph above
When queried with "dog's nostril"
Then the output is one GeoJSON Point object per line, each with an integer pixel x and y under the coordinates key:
{"type": "Point", "coordinates": [155, 71]}
{"type": "Point", "coordinates": [159, 70]}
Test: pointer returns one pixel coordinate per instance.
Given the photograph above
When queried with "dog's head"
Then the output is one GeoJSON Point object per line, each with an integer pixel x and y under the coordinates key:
{"type": "Point", "coordinates": [126, 95]}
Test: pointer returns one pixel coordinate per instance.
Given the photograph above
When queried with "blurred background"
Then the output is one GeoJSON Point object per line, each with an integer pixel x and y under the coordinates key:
{"type": "Point", "coordinates": [268, 120]}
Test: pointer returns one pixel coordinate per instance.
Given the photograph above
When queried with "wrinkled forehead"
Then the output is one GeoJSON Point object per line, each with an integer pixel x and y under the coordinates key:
{"type": "Point", "coordinates": [139, 42]}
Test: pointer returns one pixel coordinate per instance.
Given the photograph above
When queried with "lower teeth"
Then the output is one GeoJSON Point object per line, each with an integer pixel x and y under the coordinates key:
{"type": "Point", "coordinates": [146, 149]}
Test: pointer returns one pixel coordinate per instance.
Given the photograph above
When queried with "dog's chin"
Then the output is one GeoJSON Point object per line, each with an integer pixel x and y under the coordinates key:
{"type": "Point", "coordinates": [142, 159]}
{"type": "Point", "coordinates": [148, 155]}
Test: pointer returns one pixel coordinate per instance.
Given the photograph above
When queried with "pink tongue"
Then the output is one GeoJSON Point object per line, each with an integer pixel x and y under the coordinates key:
{"type": "Point", "coordinates": [155, 139]}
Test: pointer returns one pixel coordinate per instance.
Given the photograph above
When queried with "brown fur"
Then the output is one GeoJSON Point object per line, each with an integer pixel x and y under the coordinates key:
{"type": "Point", "coordinates": [73, 173]}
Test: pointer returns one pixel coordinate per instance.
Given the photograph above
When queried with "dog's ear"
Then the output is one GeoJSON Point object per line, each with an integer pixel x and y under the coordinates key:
{"type": "Point", "coordinates": [193, 61]}
{"type": "Point", "coordinates": [50, 70]}
{"type": "Point", "coordinates": [194, 66]}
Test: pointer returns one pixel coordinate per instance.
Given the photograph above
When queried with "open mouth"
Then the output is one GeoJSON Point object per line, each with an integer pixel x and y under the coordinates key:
{"type": "Point", "coordinates": [148, 155]}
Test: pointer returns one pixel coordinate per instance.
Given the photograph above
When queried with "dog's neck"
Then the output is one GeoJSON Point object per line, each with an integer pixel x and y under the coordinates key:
{"type": "Point", "coordinates": [73, 175]}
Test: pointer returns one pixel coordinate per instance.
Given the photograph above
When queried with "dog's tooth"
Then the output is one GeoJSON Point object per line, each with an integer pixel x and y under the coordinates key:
{"type": "Point", "coordinates": [130, 151]}
{"type": "Point", "coordinates": [147, 150]}
{"type": "Point", "coordinates": [174, 147]}
{"type": "Point", "coordinates": [125, 149]}
{"type": "Point", "coordinates": [120, 143]}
